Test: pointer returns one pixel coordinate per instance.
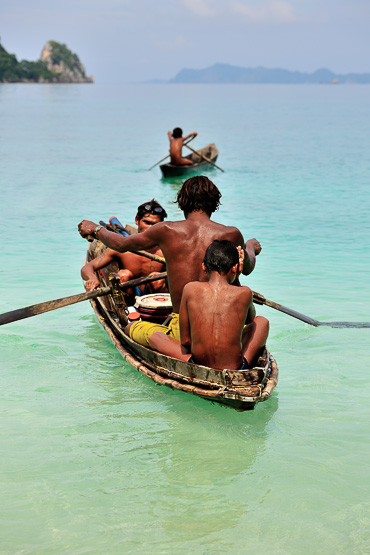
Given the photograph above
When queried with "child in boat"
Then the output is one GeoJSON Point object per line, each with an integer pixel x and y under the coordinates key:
{"type": "Point", "coordinates": [176, 142]}
{"type": "Point", "coordinates": [218, 323]}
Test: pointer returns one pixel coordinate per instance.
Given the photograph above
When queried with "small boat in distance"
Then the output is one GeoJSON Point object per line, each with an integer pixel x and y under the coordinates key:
{"type": "Point", "coordinates": [240, 389]}
{"type": "Point", "coordinates": [199, 164]}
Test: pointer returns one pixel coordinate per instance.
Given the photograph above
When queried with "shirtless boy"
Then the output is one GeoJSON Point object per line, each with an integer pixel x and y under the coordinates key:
{"type": "Point", "coordinates": [213, 314]}
{"type": "Point", "coordinates": [132, 265]}
{"type": "Point", "coordinates": [183, 244]}
{"type": "Point", "coordinates": [176, 142]}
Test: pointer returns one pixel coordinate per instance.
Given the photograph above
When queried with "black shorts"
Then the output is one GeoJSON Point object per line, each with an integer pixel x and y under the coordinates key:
{"type": "Point", "coordinates": [244, 365]}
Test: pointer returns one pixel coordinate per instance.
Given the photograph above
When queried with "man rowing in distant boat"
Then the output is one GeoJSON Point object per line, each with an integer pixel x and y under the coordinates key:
{"type": "Point", "coordinates": [176, 143]}
{"type": "Point", "coordinates": [183, 244]}
{"type": "Point", "coordinates": [218, 323]}
{"type": "Point", "coordinates": [132, 265]}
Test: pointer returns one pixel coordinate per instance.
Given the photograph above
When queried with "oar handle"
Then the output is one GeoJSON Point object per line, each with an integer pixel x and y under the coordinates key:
{"type": "Point", "coordinates": [140, 281]}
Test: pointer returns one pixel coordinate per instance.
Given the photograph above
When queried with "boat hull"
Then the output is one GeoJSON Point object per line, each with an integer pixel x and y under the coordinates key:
{"type": "Point", "coordinates": [237, 389]}
{"type": "Point", "coordinates": [199, 166]}
{"type": "Point", "coordinates": [240, 389]}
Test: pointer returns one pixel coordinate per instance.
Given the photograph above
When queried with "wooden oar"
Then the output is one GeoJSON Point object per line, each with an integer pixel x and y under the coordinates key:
{"type": "Point", "coordinates": [40, 308]}
{"type": "Point", "coordinates": [165, 158]}
{"type": "Point", "coordinates": [205, 158]}
{"type": "Point", "coordinates": [260, 299]}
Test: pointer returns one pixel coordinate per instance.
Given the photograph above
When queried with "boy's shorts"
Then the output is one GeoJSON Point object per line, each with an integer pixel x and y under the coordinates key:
{"type": "Point", "coordinates": [141, 331]}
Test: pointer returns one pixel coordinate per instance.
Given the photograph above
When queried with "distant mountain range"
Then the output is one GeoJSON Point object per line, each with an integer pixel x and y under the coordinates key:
{"type": "Point", "coordinates": [225, 73]}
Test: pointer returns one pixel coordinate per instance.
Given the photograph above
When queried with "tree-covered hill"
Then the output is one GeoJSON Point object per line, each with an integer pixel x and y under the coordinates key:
{"type": "Point", "coordinates": [56, 65]}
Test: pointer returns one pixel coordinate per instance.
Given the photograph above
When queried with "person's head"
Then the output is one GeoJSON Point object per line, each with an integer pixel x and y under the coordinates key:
{"type": "Point", "coordinates": [198, 193]}
{"type": "Point", "coordinates": [148, 214]}
{"type": "Point", "coordinates": [221, 257]}
{"type": "Point", "coordinates": [177, 133]}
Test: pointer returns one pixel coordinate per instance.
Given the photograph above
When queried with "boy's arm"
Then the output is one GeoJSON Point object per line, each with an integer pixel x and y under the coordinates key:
{"type": "Point", "coordinates": [190, 135]}
{"type": "Point", "coordinates": [169, 135]}
{"type": "Point", "coordinates": [184, 322]}
{"type": "Point", "coordinates": [88, 271]}
{"type": "Point", "coordinates": [251, 313]}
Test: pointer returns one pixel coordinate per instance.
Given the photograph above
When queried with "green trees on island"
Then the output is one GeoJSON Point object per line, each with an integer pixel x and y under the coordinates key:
{"type": "Point", "coordinates": [12, 71]}
{"type": "Point", "coordinates": [56, 65]}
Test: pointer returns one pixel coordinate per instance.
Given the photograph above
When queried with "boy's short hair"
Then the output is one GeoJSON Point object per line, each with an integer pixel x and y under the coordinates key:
{"type": "Point", "coordinates": [221, 256]}
{"type": "Point", "coordinates": [177, 133]}
{"type": "Point", "coordinates": [151, 207]}
{"type": "Point", "coordinates": [198, 193]}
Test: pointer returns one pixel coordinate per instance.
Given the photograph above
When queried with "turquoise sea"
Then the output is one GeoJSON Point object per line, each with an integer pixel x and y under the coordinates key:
{"type": "Point", "coordinates": [96, 458]}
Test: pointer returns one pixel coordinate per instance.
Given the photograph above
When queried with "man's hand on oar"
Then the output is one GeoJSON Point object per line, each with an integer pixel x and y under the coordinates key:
{"type": "Point", "coordinates": [47, 306]}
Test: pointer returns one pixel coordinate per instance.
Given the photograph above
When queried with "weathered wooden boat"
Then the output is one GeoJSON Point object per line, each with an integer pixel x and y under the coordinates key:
{"type": "Point", "coordinates": [199, 164]}
{"type": "Point", "coordinates": [240, 389]}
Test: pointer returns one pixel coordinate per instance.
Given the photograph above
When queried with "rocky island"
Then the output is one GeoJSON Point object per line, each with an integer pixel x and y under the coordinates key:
{"type": "Point", "coordinates": [57, 64]}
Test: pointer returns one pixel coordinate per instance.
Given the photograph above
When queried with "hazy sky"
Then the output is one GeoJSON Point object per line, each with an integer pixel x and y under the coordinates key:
{"type": "Point", "coordinates": [137, 40]}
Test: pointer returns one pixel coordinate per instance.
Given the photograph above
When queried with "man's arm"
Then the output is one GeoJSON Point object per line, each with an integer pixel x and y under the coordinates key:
{"type": "Point", "coordinates": [169, 135]}
{"type": "Point", "coordinates": [88, 271]}
{"type": "Point", "coordinates": [184, 322]}
{"type": "Point", "coordinates": [251, 249]}
{"type": "Point", "coordinates": [119, 243]}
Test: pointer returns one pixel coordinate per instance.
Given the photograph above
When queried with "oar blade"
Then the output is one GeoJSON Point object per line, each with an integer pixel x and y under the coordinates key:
{"type": "Point", "coordinates": [345, 324]}
{"type": "Point", "coordinates": [47, 306]}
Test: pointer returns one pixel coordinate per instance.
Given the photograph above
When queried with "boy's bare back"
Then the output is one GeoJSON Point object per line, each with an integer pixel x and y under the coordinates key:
{"type": "Point", "coordinates": [215, 339]}
{"type": "Point", "coordinates": [176, 144]}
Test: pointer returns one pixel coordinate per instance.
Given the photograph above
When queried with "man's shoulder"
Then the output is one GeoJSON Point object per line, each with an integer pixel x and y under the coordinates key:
{"type": "Point", "coordinates": [173, 225]}
{"type": "Point", "coordinates": [227, 229]}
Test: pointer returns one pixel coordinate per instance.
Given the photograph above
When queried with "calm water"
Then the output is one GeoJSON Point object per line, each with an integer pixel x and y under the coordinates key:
{"type": "Point", "coordinates": [95, 458]}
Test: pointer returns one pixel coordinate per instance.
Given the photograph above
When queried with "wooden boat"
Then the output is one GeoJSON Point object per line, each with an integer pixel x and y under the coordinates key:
{"type": "Point", "coordinates": [240, 389]}
{"type": "Point", "coordinates": [199, 165]}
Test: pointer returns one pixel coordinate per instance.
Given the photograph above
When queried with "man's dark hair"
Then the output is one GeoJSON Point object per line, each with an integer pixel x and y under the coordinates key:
{"type": "Point", "coordinates": [151, 207]}
{"type": "Point", "coordinates": [198, 193]}
{"type": "Point", "coordinates": [177, 133]}
{"type": "Point", "coordinates": [221, 256]}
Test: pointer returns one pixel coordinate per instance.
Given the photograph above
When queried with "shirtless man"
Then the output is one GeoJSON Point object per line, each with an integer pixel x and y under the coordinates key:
{"type": "Point", "coordinates": [132, 265]}
{"type": "Point", "coordinates": [183, 244]}
{"type": "Point", "coordinates": [176, 142]}
{"type": "Point", "coordinates": [213, 314]}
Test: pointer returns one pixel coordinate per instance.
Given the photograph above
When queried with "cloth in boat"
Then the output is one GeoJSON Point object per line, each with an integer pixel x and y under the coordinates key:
{"type": "Point", "coordinates": [141, 331]}
{"type": "Point", "coordinates": [244, 365]}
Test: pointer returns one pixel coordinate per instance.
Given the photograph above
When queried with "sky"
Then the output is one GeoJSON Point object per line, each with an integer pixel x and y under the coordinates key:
{"type": "Point", "coordinates": [121, 41]}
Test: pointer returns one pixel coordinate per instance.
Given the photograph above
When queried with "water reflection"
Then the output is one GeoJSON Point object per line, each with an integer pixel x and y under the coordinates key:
{"type": "Point", "coordinates": [187, 459]}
